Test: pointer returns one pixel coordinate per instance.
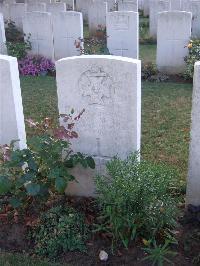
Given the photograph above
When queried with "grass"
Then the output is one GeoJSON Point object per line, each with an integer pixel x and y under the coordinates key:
{"type": "Point", "coordinates": [148, 53]}
{"type": "Point", "coordinates": [166, 116]}
{"type": "Point", "coordinates": [166, 109]}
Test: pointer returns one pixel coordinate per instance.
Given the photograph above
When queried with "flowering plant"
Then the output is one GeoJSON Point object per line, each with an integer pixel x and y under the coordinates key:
{"type": "Point", "coordinates": [42, 169]}
{"type": "Point", "coordinates": [193, 56]}
{"type": "Point", "coordinates": [35, 65]}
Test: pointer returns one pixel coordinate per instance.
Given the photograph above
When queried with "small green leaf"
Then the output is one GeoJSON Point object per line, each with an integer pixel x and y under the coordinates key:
{"type": "Point", "coordinates": [5, 185]}
{"type": "Point", "coordinates": [60, 184]}
{"type": "Point", "coordinates": [32, 189]}
{"type": "Point", "coordinates": [90, 162]}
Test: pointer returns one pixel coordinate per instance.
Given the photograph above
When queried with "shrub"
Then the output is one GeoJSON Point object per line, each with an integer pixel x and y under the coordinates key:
{"type": "Point", "coordinates": [13, 34]}
{"type": "Point", "coordinates": [194, 56]}
{"type": "Point", "coordinates": [35, 66]}
{"type": "Point", "coordinates": [16, 45]}
{"type": "Point", "coordinates": [43, 169]}
{"type": "Point", "coordinates": [150, 73]}
{"type": "Point", "coordinates": [135, 200]}
{"type": "Point", "coordinates": [60, 229]}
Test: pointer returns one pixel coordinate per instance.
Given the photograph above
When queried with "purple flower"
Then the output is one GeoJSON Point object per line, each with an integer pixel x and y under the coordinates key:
{"type": "Point", "coordinates": [35, 65]}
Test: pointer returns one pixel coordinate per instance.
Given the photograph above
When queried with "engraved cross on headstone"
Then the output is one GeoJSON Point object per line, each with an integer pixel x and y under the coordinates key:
{"type": "Point", "coordinates": [122, 50]}
{"type": "Point", "coordinates": [37, 40]}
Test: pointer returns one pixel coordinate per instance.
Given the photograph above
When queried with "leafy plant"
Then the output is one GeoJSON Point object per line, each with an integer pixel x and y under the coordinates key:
{"type": "Point", "coordinates": [16, 45]}
{"type": "Point", "coordinates": [135, 200]}
{"type": "Point", "coordinates": [43, 169]}
{"type": "Point", "coordinates": [60, 229]}
{"type": "Point", "coordinates": [150, 73]}
{"type": "Point", "coordinates": [159, 254]}
{"type": "Point", "coordinates": [193, 56]}
{"type": "Point", "coordinates": [95, 44]}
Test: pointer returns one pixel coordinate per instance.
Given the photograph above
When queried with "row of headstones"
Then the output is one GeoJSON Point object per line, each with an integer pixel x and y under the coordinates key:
{"type": "Point", "coordinates": [61, 33]}
{"type": "Point", "coordinates": [56, 39]}
{"type": "Point", "coordinates": [109, 89]}
{"type": "Point", "coordinates": [16, 11]}
{"type": "Point", "coordinates": [156, 6]}
{"type": "Point", "coordinates": [181, 5]}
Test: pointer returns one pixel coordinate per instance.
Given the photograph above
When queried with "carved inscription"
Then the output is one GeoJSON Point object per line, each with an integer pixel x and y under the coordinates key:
{"type": "Point", "coordinates": [96, 85]}
{"type": "Point", "coordinates": [121, 22]}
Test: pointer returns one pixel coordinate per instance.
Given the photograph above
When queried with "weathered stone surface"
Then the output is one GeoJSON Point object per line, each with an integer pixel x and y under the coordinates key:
{"type": "Point", "coordinates": [11, 111]}
{"type": "Point", "coordinates": [83, 7]}
{"type": "Point", "coordinates": [2, 36]}
{"type": "Point", "coordinates": [176, 5]}
{"type": "Point", "coordinates": [174, 31]}
{"type": "Point", "coordinates": [109, 89]}
{"type": "Point", "coordinates": [122, 31]}
{"type": "Point", "coordinates": [97, 16]}
{"type": "Point", "coordinates": [193, 181]}
{"type": "Point", "coordinates": [195, 9]}
{"type": "Point", "coordinates": [55, 8]}
{"type": "Point", "coordinates": [111, 5]}
{"type": "Point", "coordinates": [41, 7]}
{"type": "Point", "coordinates": [17, 13]}
{"type": "Point", "coordinates": [41, 36]}
{"type": "Point", "coordinates": [126, 5]}
{"type": "Point", "coordinates": [5, 11]}
{"type": "Point", "coordinates": [156, 6]}
{"type": "Point", "coordinates": [68, 30]}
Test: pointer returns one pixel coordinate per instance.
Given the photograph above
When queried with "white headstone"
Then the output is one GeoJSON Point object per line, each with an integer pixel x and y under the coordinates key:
{"type": "Point", "coordinates": [70, 4]}
{"type": "Point", "coordinates": [17, 13]}
{"type": "Point", "coordinates": [39, 25]}
{"type": "Point", "coordinates": [111, 5]}
{"type": "Point", "coordinates": [126, 5]}
{"type": "Point", "coordinates": [5, 10]}
{"type": "Point", "coordinates": [2, 36]}
{"type": "Point", "coordinates": [176, 5]}
{"type": "Point", "coordinates": [146, 7]}
{"type": "Point", "coordinates": [68, 30]}
{"type": "Point", "coordinates": [174, 32]}
{"type": "Point", "coordinates": [109, 89]}
{"type": "Point", "coordinates": [41, 7]}
{"type": "Point", "coordinates": [83, 7]}
{"type": "Point", "coordinates": [185, 5]}
{"type": "Point", "coordinates": [122, 33]}
{"type": "Point", "coordinates": [193, 181]}
{"type": "Point", "coordinates": [97, 15]}
{"type": "Point", "coordinates": [55, 8]}
{"type": "Point", "coordinates": [11, 119]}
{"type": "Point", "coordinates": [156, 6]}
{"type": "Point", "coordinates": [195, 9]}
{"type": "Point", "coordinates": [141, 4]}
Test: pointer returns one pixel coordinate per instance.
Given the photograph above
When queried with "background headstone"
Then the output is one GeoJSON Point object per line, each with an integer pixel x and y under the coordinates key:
{"type": "Point", "coordinates": [11, 110]}
{"type": "Point", "coordinates": [39, 25]}
{"type": "Point", "coordinates": [122, 33]}
{"type": "Point", "coordinates": [109, 89]}
{"type": "Point", "coordinates": [126, 5]}
{"type": "Point", "coordinates": [17, 13]}
{"type": "Point", "coordinates": [55, 8]}
{"type": "Point", "coordinates": [156, 6]}
{"type": "Point", "coordinates": [97, 16]}
{"type": "Point", "coordinates": [68, 30]}
{"type": "Point", "coordinates": [5, 10]}
{"type": "Point", "coordinates": [195, 9]}
{"type": "Point", "coordinates": [174, 32]}
{"type": "Point", "coordinates": [41, 7]}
